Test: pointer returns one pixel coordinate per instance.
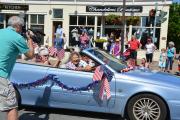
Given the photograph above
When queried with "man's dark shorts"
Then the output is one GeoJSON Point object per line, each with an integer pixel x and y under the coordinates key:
{"type": "Point", "coordinates": [133, 54]}
{"type": "Point", "coordinates": [7, 95]}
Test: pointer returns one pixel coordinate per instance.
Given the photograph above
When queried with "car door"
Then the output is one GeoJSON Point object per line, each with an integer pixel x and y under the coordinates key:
{"type": "Point", "coordinates": [71, 80]}
{"type": "Point", "coordinates": [33, 88]}
{"type": "Point", "coordinates": [64, 92]}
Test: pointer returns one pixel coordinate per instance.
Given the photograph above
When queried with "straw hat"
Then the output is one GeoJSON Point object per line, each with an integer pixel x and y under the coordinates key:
{"type": "Point", "coordinates": [43, 51]}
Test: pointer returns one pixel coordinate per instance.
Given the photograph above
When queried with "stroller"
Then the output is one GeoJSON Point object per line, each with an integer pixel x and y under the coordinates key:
{"type": "Point", "coordinates": [126, 54]}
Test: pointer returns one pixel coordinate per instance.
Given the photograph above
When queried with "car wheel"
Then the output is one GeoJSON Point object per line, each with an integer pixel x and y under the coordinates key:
{"type": "Point", "coordinates": [146, 107]}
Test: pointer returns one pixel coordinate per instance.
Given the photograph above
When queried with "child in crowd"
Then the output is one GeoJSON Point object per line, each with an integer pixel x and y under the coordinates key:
{"type": "Point", "coordinates": [144, 63]}
{"type": "Point", "coordinates": [116, 48]}
{"type": "Point", "coordinates": [162, 59]}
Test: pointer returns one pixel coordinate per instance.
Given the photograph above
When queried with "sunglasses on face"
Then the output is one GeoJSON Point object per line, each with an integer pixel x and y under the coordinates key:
{"type": "Point", "coordinates": [46, 55]}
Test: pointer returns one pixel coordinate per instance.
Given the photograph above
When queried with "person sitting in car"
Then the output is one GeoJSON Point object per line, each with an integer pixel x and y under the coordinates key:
{"type": "Point", "coordinates": [85, 60]}
{"type": "Point", "coordinates": [44, 57]}
{"type": "Point", "coordinates": [74, 63]}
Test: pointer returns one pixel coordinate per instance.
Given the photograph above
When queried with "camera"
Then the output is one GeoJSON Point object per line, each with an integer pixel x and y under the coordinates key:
{"type": "Point", "coordinates": [35, 35]}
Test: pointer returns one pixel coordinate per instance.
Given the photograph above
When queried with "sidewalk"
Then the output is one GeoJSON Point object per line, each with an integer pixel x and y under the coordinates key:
{"type": "Point", "coordinates": [154, 66]}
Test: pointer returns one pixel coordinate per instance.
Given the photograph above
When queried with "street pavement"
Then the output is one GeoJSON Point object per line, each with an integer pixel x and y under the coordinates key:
{"type": "Point", "coordinates": [27, 113]}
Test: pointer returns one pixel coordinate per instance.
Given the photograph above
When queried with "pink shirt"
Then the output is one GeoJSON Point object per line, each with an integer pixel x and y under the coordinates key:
{"type": "Point", "coordinates": [84, 38]}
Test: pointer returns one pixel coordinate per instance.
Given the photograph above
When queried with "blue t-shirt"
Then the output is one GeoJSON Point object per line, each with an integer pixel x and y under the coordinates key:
{"type": "Point", "coordinates": [170, 52]}
{"type": "Point", "coordinates": [11, 45]}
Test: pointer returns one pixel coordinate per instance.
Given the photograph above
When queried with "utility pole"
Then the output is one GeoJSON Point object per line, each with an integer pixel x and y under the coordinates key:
{"type": "Point", "coordinates": [124, 25]}
{"type": "Point", "coordinates": [155, 19]}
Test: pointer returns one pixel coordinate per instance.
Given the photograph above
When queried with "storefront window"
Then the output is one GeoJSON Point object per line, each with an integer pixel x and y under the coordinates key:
{"type": "Point", "coordinates": [58, 13]}
{"type": "Point", "coordinates": [33, 18]}
{"type": "Point", "coordinates": [37, 24]}
{"type": "Point", "coordinates": [82, 20]}
{"type": "Point", "coordinates": [40, 19]}
{"type": "Point", "coordinates": [90, 20]}
{"type": "Point", "coordinates": [79, 23]}
{"type": "Point", "coordinates": [73, 20]}
{"type": "Point", "coordinates": [1, 21]}
{"type": "Point", "coordinates": [99, 21]}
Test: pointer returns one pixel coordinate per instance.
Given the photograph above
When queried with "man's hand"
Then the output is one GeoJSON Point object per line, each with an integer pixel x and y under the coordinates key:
{"type": "Point", "coordinates": [30, 53]}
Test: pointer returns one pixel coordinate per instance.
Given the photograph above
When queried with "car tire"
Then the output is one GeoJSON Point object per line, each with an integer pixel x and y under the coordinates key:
{"type": "Point", "coordinates": [146, 107]}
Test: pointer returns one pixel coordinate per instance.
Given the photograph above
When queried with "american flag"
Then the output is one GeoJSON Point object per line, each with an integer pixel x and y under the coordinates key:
{"type": "Point", "coordinates": [98, 76]}
{"type": "Point", "coordinates": [60, 54]}
{"type": "Point", "coordinates": [52, 51]}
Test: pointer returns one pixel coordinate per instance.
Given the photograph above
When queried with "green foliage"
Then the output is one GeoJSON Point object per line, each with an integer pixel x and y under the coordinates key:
{"type": "Point", "coordinates": [117, 20]}
{"type": "Point", "coordinates": [174, 25]}
{"type": "Point", "coordinates": [133, 20]}
{"type": "Point", "coordinates": [111, 17]}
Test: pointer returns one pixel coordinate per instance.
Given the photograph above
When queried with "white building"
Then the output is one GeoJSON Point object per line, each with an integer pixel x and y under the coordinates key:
{"type": "Point", "coordinates": [46, 15]}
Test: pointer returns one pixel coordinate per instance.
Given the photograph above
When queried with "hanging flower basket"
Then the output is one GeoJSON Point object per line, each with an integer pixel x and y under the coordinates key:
{"type": "Point", "coordinates": [100, 40]}
{"type": "Point", "coordinates": [99, 43]}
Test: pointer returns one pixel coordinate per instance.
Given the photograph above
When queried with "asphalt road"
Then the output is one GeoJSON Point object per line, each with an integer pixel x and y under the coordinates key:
{"type": "Point", "coordinates": [27, 113]}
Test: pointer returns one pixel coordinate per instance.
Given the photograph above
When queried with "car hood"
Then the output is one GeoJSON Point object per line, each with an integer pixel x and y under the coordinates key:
{"type": "Point", "coordinates": [153, 77]}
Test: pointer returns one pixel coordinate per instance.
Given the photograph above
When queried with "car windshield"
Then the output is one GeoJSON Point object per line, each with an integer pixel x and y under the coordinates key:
{"type": "Point", "coordinates": [108, 59]}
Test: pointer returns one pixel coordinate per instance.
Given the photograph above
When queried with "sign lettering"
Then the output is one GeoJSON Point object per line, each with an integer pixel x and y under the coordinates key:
{"type": "Point", "coordinates": [13, 7]}
{"type": "Point", "coordinates": [113, 9]}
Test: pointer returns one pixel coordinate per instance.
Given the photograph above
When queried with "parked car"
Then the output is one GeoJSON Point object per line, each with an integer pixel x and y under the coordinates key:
{"type": "Point", "coordinates": [139, 94]}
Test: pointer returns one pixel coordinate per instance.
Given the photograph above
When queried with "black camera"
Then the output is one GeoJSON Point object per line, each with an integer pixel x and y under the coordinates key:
{"type": "Point", "coordinates": [35, 35]}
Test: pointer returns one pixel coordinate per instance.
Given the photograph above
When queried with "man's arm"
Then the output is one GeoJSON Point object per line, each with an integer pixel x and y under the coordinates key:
{"type": "Point", "coordinates": [30, 53]}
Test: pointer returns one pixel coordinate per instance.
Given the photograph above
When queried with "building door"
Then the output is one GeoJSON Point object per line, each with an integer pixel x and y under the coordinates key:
{"type": "Point", "coordinates": [55, 26]}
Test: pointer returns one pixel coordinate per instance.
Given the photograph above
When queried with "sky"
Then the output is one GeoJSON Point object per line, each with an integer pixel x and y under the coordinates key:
{"type": "Point", "coordinates": [176, 1]}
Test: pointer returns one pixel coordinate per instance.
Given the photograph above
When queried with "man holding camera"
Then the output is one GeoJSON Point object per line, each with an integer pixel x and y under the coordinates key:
{"type": "Point", "coordinates": [11, 45]}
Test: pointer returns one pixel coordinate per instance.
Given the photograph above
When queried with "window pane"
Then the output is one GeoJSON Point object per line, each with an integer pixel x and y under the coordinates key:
{"type": "Point", "coordinates": [90, 20]}
{"type": "Point", "coordinates": [58, 13]}
{"type": "Point", "coordinates": [40, 19]}
{"type": "Point", "coordinates": [1, 18]}
{"type": "Point", "coordinates": [34, 19]}
{"type": "Point", "coordinates": [82, 20]}
{"type": "Point", "coordinates": [73, 20]}
{"type": "Point", "coordinates": [99, 21]}
{"type": "Point", "coordinates": [41, 29]}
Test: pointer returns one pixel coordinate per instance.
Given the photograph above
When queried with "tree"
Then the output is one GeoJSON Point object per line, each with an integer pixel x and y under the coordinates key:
{"type": "Point", "coordinates": [174, 25]}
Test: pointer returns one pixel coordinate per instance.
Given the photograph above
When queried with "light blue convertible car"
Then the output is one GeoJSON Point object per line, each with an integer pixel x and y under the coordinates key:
{"type": "Point", "coordinates": [138, 94]}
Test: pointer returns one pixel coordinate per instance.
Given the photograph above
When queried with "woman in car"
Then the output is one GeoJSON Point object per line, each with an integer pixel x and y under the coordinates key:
{"type": "Point", "coordinates": [44, 57]}
{"type": "Point", "coordinates": [74, 63]}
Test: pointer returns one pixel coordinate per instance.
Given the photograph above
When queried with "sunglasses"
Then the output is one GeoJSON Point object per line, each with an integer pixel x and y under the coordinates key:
{"type": "Point", "coordinates": [46, 55]}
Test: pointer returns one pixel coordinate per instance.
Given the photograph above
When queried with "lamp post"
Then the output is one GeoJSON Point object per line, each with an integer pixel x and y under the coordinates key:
{"type": "Point", "coordinates": [124, 25]}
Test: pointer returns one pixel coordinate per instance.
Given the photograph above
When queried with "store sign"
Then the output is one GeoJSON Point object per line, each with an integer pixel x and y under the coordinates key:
{"type": "Point", "coordinates": [13, 7]}
{"type": "Point", "coordinates": [113, 8]}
